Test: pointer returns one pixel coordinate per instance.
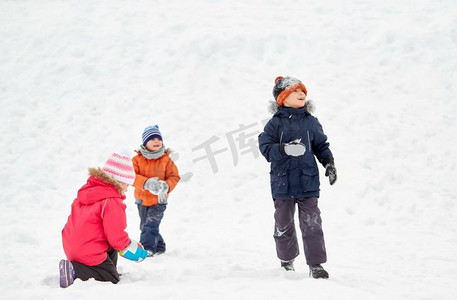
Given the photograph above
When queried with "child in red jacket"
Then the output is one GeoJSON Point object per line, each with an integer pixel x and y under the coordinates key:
{"type": "Point", "coordinates": [95, 230]}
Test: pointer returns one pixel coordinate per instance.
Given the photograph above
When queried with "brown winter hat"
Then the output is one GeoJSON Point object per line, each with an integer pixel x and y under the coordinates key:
{"type": "Point", "coordinates": [284, 86]}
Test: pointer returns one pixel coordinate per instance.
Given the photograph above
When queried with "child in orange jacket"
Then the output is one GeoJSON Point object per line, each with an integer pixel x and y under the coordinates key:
{"type": "Point", "coordinates": [156, 176]}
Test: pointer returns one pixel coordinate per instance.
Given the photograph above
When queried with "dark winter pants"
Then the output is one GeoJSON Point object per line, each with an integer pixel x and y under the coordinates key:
{"type": "Point", "coordinates": [106, 271]}
{"type": "Point", "coordinates": [285, 236]}
{"type": "Point", "coordinates": [150, 218]}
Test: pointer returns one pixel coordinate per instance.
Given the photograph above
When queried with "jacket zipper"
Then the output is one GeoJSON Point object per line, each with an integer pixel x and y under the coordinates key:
{"type": "Point", "coordinates": [309, 142]}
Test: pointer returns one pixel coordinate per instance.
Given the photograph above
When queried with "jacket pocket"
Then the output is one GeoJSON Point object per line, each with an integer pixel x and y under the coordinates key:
{"type": "Point", "coordinates": [278, 181]}
{"type": "Point", "coordinates": [310, 180]}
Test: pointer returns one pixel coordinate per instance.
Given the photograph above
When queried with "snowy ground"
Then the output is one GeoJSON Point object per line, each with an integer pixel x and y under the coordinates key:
{"type": "Point", "coordinates": [80, 79]}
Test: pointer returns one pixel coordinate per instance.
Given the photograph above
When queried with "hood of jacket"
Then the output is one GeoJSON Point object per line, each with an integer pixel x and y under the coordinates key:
{"type": "Point", "coordinates": [275, 109]}
{"type": "Point", "coordinates": [99, 186]}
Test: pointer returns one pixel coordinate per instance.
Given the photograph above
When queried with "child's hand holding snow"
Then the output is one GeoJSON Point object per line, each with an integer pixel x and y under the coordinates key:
{"type": "Point", "coordinates": [153, 185]}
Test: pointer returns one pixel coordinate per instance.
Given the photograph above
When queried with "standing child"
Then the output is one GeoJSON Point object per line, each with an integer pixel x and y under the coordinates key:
{"type": "Point", "coordinates": [95, 230]}
{"type": "Point", "coordinates": [290, 141]}
{"type": "Point", "coordinates": [156, 177]}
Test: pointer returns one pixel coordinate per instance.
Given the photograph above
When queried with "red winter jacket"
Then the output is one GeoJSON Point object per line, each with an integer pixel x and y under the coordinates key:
{"type": "Point", "coordinates": [96, 224]}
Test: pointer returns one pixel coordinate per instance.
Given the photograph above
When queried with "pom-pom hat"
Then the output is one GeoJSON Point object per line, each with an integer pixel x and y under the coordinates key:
{"type": "Point", "coordinates": [284, 86]}
{"type": "Point", "coordinates": [120, 167]}
{"type": "Point", "coordinates": [151, 132]}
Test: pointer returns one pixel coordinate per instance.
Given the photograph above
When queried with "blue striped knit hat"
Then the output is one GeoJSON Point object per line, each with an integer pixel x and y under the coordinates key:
{"type": "Point", "coordinates": [151, 132]}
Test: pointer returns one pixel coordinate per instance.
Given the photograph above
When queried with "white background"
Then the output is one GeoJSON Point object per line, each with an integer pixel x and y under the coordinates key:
{"type": "Point", "coordinates": [81, 79]}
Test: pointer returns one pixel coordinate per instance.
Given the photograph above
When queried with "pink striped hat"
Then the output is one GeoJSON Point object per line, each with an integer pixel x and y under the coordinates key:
{"type": "Point", "coordinates": [120, 167]}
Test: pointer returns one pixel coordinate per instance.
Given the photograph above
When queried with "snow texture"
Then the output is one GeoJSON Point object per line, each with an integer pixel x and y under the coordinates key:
{"type": "Point", "coordinates": [82, 79]}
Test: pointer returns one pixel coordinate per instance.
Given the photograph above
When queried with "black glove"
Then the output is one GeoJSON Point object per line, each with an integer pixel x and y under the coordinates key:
{"type": "Point", "coordinates": [330, 172]}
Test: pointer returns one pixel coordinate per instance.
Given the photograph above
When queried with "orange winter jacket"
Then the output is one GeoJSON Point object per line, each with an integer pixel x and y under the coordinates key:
{"type": "Point", "coordinates": [163, 167]}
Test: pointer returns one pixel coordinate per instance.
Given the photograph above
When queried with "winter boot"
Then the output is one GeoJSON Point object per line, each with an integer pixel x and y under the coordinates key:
{"type": "Point", "coordinates": [288, 265]}
{"type": "Point", "coordinates": [67, 273]}
{"type": "Point", "coordinates": [317, 271]}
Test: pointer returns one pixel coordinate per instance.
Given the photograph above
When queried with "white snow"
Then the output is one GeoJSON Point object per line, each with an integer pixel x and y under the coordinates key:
{"type": "Point", "coordinates": [81, 79]}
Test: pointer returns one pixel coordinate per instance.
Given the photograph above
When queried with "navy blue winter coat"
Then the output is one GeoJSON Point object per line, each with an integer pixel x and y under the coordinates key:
{"type": "Point", "coordinates": [294, 177]}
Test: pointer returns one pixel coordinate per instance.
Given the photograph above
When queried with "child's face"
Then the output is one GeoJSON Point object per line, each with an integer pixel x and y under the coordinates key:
{"type": "Point", "coordinates": [154, 144]}
{"type": "Point", "coordinates": [296, 99]}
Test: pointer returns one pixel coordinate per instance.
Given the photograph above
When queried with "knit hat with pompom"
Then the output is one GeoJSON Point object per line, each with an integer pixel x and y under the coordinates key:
{"type": "Point", "coordinates": [284, 86]}
{"type": "Point", "coordinates": [151, 132]}
{"type": "Point", "coordinates": [120, 167]}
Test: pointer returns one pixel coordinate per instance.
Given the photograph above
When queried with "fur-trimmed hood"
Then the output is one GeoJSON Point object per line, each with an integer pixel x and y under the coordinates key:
{"type": "Point", "coordinates": [274, 107]}
{"type": "Point", "coordinates": [99, 173]}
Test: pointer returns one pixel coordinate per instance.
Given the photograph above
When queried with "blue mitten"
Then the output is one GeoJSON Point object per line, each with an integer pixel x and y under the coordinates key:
{"type": "Point", "coordinates": [134, 251]}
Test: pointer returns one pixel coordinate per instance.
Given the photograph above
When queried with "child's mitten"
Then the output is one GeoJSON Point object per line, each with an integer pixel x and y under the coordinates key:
{"type": "Point", "coordinates": [163, 195]}
{"type": "Point", "coordinates": [294, 148]}
{"type": "Point", "coordinates": [134, 251]}
{"type": "Point", "coordinates": [330, 172]}
{"type": "Point", "coordinates": [153, 185]}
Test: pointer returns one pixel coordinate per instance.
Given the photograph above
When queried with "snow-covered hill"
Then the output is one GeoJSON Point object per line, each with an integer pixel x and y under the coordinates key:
{"type": "Point", "coordinates": [80, 79]}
